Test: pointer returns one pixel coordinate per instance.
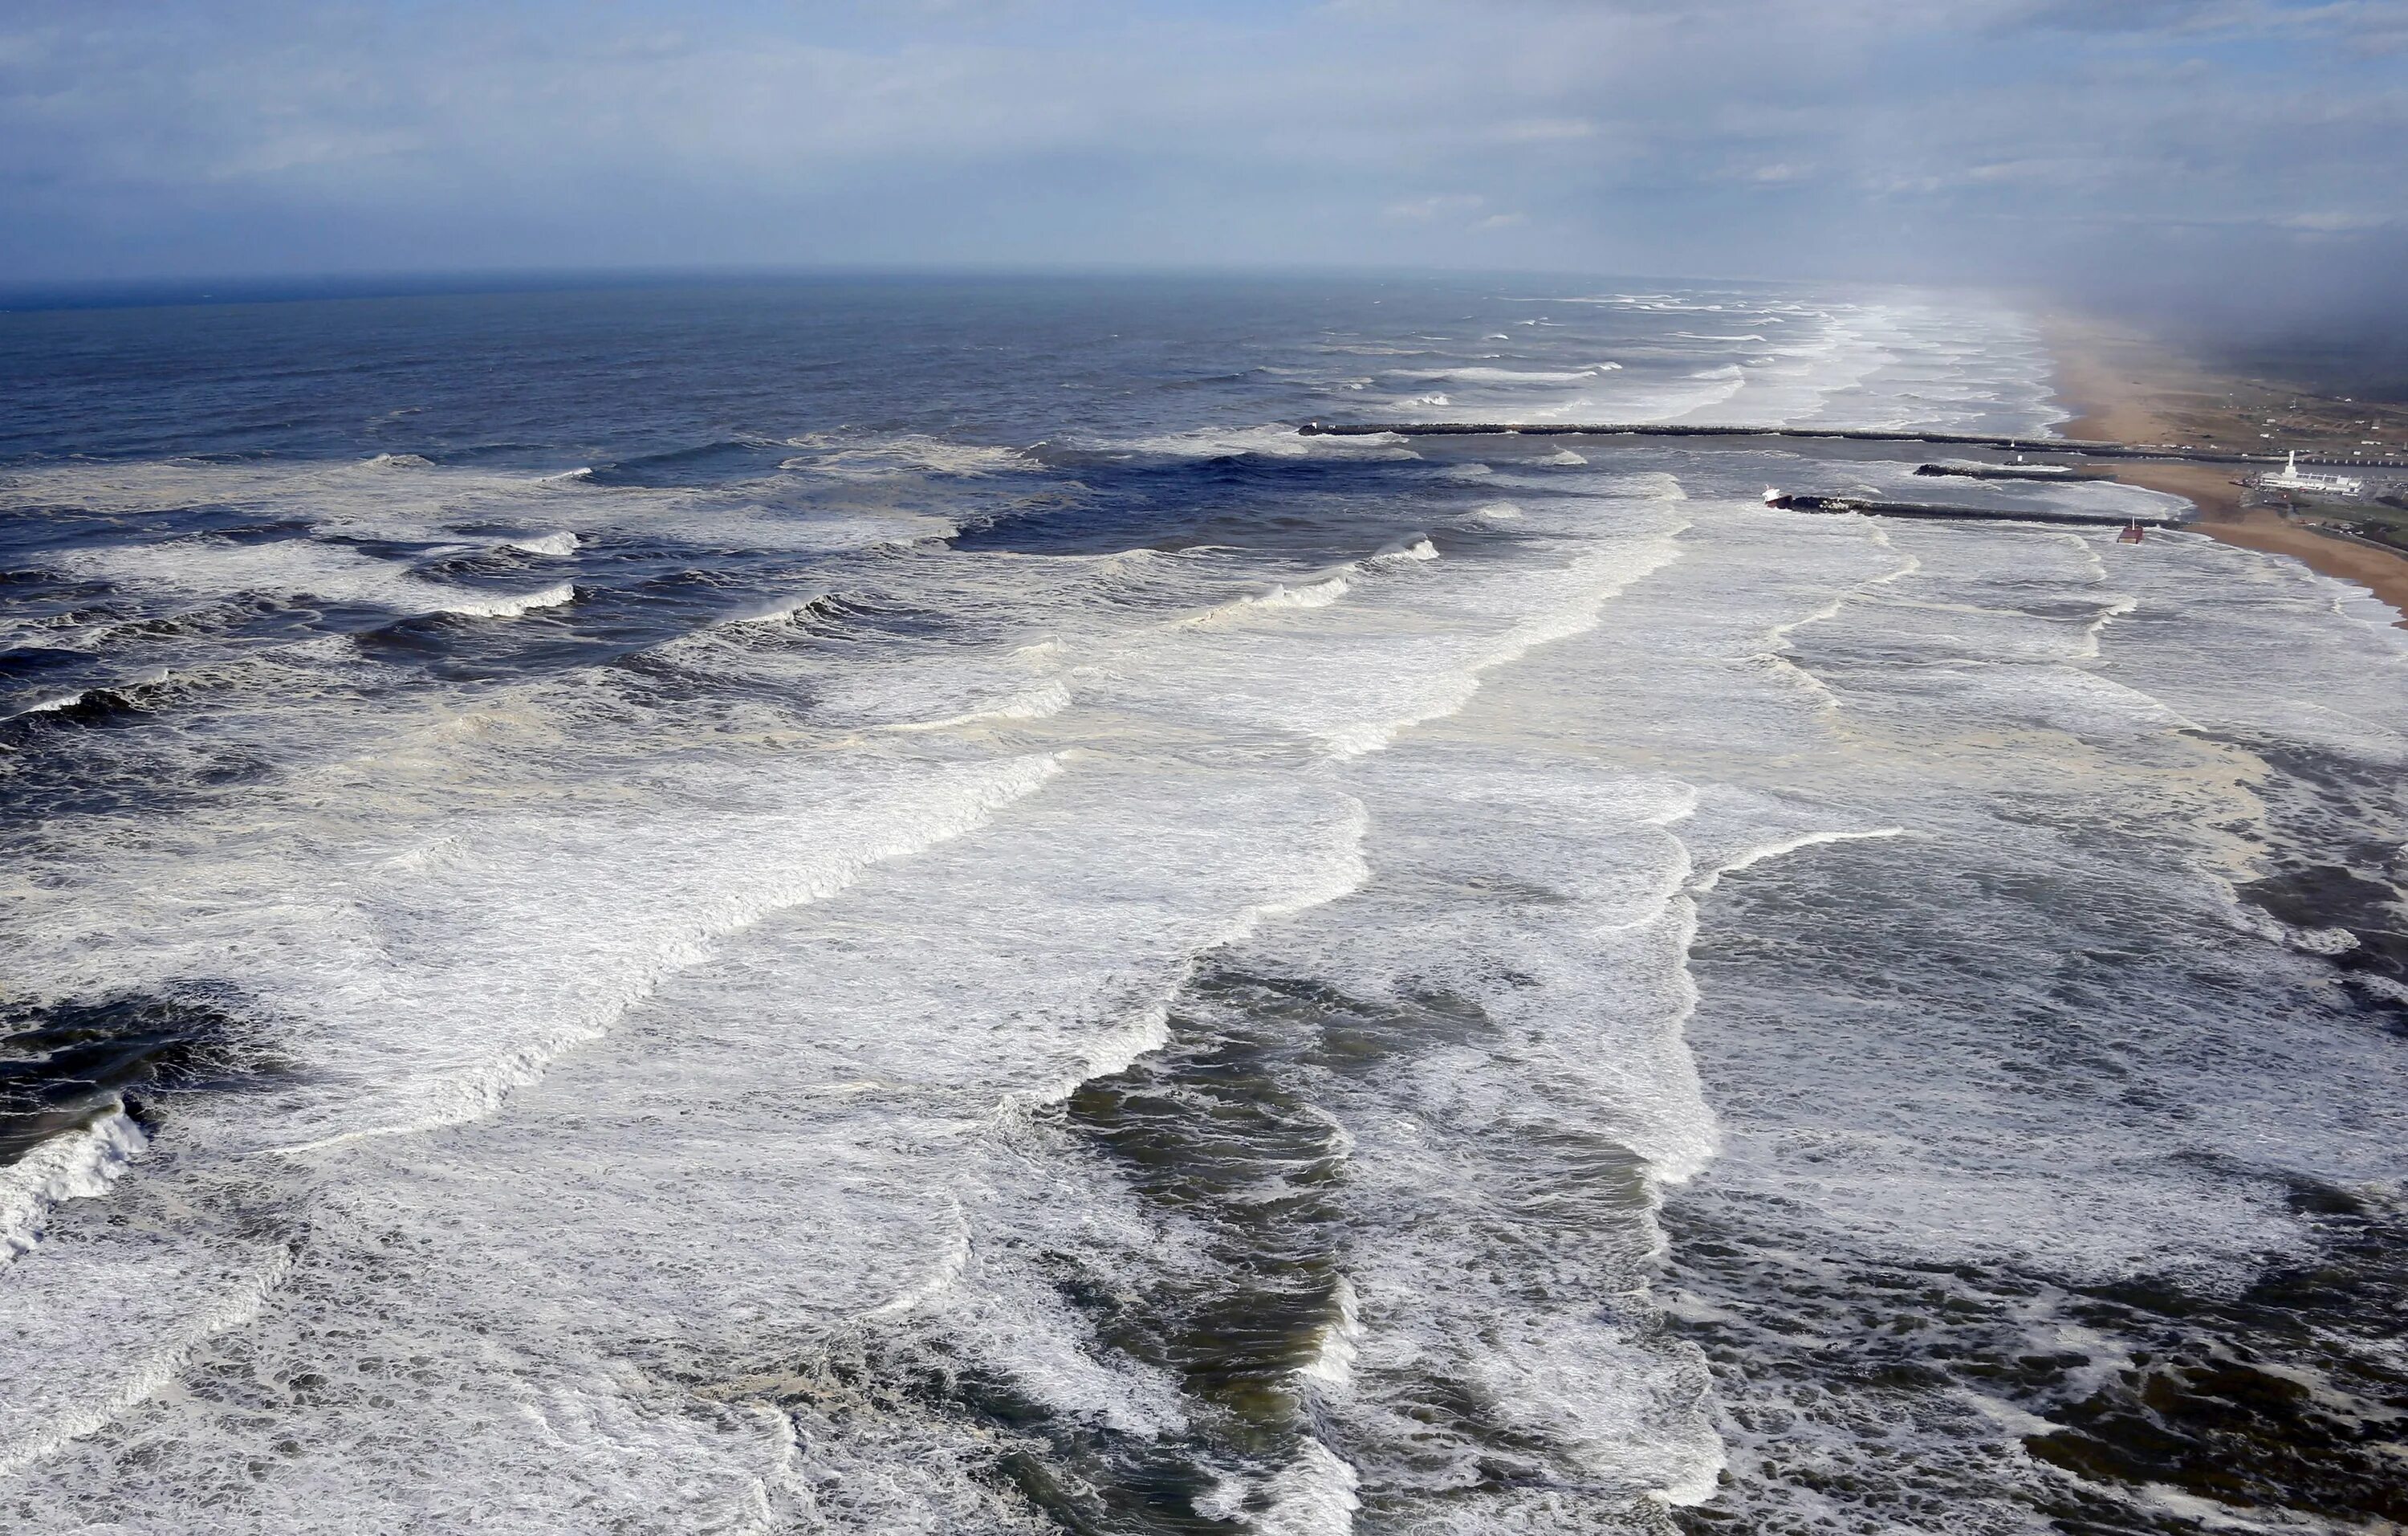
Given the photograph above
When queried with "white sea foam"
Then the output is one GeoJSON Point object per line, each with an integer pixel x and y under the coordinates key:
{"type": "Point", "coordinates": [562, 542]}
{"type": "Point", "coordinates": [437, 506]}
{"type": "Point", "coordinates": [593, 982]}
{"type": "Point", "coordinates": [512, 606]}
{"type": "Point", "coordinates": [779, 612]}
{"type": "Point", "coordinates": [79, 1165]}
{"type": "Point", "coordinates": [1579, 592]}
{"type": "Point", "coordinates": [1754, 856]}
{"type": "Point", "coordinates": [940, 1278]}
{"type": "Point", "coordinates": [1046, 698]}
{"type": "Point", "coordinates": [1314, 1496]}
{"type": "Point", "coordinates": [1332, 1368]}
{"type": "Point", "coordinates": [153, 1357]}
{"type": "Point", "coordinates": [1512, 376]}
{"type": "Point", "coordinates": [48, 706]}
{"type": "Point", "coordinates": [1591, 910]}
{"type": "Point", "coordinates": [1273, 440]}
{"type": "Point", "coordinates": [841, 456]}
{"type": "Point", "coordinates": [1322, 591]}
{"type": "Point", "coordinates": [1356, 689]}
{"type": "Point", "coordinates": [1319, 594]}
{"type": "Point", "coordinates": [302, 568]}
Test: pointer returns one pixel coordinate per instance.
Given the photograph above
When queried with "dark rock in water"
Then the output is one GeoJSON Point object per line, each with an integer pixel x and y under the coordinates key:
{"type": "Point", "coordinates": [1867, 506]}
{"type": "Point", "coordinates": [2044, 473]}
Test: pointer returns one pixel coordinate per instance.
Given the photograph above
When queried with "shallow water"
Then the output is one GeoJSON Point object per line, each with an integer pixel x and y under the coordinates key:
{"type": "Point", "coordinates": [886, 906]}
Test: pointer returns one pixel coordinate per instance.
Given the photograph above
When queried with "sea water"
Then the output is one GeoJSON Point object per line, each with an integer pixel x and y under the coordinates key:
{"type": "Point", "coordinates": [885, 905]}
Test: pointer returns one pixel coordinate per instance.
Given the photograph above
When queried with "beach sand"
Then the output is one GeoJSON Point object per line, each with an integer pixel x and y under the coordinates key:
{"type": "Point", "coordinates": [2126, 386]}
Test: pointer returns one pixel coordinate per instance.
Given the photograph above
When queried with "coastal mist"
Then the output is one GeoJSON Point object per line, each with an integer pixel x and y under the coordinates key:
{"type": "Point", "coordinates": [889, 905]}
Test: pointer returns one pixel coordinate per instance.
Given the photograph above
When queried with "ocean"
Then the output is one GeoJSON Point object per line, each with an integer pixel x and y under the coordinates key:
{"type": "Point", "coordinates": [885, 905]}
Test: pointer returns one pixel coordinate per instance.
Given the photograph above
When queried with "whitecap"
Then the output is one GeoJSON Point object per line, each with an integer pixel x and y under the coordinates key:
{"type": "Point", "coordinates": [48, 706]}
{"type": "Point", "coordinates": [78, 1164]}
{"type": "Point", "coordinates": [509, 605]}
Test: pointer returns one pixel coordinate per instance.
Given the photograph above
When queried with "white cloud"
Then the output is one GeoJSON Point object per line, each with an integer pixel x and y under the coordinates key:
{"type": "Point", "coordinates": [1427, 210]}
{"type": "Point", "coordinates": [1545, 130]}
{"type": "Point", "coordinates": [1623, 133]}
{"type": "Point", "coordinates": [2334, 224]}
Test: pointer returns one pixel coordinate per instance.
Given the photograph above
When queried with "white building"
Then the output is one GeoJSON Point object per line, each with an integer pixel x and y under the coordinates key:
{"type": "Point", "coordinates": [2307, 482]}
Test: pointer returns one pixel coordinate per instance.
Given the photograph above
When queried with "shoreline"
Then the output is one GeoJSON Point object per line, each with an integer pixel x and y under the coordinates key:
{"type": "Point", "coordinates": [2115, 384]}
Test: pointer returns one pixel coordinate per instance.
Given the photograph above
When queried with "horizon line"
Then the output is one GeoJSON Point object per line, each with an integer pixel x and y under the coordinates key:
{"type": "Point", "coordinates": [28, 296]}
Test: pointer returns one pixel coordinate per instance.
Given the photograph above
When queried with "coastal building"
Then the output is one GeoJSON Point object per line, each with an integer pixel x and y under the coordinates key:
{"type": "Point", "coordinates": [2299, 482]}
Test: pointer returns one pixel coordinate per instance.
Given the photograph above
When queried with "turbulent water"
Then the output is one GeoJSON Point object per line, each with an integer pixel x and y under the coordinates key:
{"type": "Point", "coordinates": [888, 907]}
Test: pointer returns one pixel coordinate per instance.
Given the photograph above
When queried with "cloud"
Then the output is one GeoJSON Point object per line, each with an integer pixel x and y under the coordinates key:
{"type": "Point", "coordinates": [2334, 224]}
{"type": "Point", "coordinates": [1981, 139]}
{"type": "Point", "coordinates": [1426, 210]}
{"type": "Point", "coordinates": [2356, 21]}
{"type": "Point", "coordinates": [1545, 130]}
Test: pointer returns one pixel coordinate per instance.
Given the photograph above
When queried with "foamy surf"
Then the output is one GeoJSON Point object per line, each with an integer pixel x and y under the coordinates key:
{"type": "Point", "coordinates": [1580, 594]}
{"type": "Point", "coordinates": [96, 1404]}
{"type": "Point", "coordinates": [562, 542]}
{"type": "Point", "coordinates": [304, 568]}
{"type": "Point", "coordinates": [840, 456]}
{"type": "Point", "coordinates": [1331, 1370]}
{"type": "Point", "coordinates": [1754, 856]}
{"type": "Point", "coordinates": [1314, 1496]}
{"type": "Point", "coordinates": [1274, 440]}
{"type": "Point", "coordinates": [48, 706]}
{"type": "Point", "coordinates": [79, 1164]}
{"type": "Point", "coordinates": [1038, 703]}
{"type": "Point", "coordinates": [1325, 590]}
{"type": "Point", "coordinates": [1227, 979]}
{"type": "Point", "coordinates": [779, 612]}
{"type": "Point", "coordinates": [630, 965]}
{"type": "Point", "coordinates": [510, 606]}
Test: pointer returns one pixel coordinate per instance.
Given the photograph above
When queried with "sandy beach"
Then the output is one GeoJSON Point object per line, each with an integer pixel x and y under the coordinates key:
{"type": "Point", "coordinates": [2128, 387]}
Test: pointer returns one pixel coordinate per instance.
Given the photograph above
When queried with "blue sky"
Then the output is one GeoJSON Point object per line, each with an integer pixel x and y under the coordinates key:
{"type": "Point", "coordinates": [1999, 140]}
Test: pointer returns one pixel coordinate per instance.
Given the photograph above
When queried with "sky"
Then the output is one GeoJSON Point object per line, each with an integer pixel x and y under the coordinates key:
{"type": "Point", "coordinates": [2140, 145]}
